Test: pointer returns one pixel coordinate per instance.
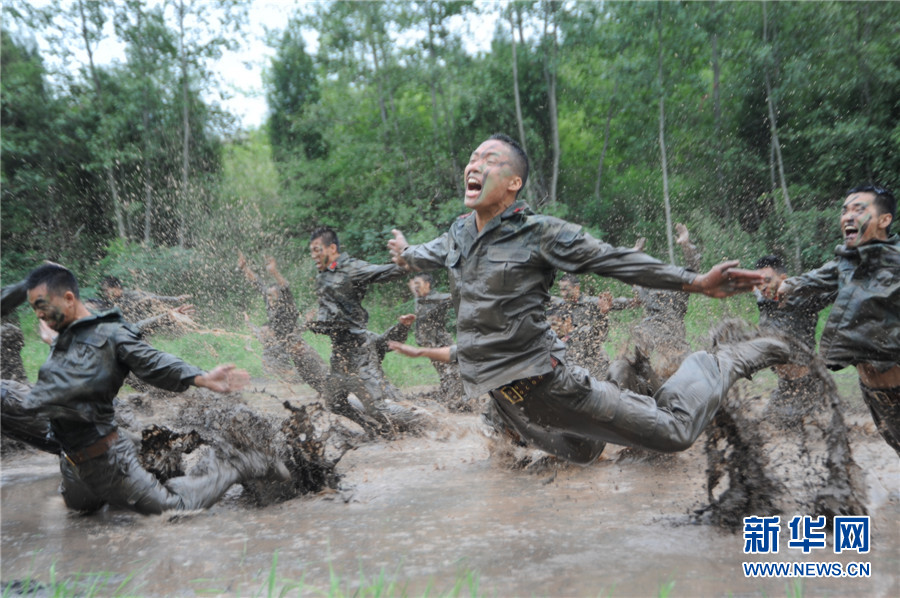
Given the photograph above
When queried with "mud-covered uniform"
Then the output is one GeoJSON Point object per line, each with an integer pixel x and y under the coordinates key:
{"type": "Point", "coordinates": [863, 283]}
{"type": "Point", "coordinates": [661, 333]}
{"type": "Point", "coordinates": [355, 364]}
{"type": "Point", "coordinates": [73, 402]}
{"type": "Point", "coordinates": [500, 280]}
{"type": "Point", "coordinates": [796, 321]}
{"type": "Point", "coordinates": [431, 331]}
{"type": "Point", "coordinates": [12, 341]}
{"type": "Point", "coordinates": [282, 340]}
{"type": "Point", "coordinates": [588, 328]}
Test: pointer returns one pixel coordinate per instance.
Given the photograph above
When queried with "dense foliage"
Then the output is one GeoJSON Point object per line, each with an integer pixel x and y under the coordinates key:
{"type": "Point", "coordinates": [766, 113]}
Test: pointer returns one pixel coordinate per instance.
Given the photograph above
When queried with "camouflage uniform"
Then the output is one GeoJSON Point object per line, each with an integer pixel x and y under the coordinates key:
{"type": "Point", "coordinates": [283, 342]}
{"type": "Point", "coordinates": [796, 321]}
{"type": "Point", "coordinates": [500, 280]}
{"type": "Point", "coordinates": [72, 402]}
{"type": "Point", "coordinates": [589, 329]}
{"type": "Point", "coordinates": [863, 283]}
{"type": "Point", "coordinates": [431, 331]}
{"type": "Point", "coordinates": [661, 333]}
{"type": "Point", "coordinates": [12, 341]}
{"type": "Point", "coordinates": [355, 364]}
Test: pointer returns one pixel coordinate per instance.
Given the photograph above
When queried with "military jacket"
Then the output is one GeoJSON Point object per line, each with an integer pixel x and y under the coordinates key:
{"type": "Point", "coordinates": [87, 364]}
{"type": "Point", "coordinates": [340, 289]}
{"type": "Point", "coordinates": [794, 318]}
{"type": "Point", "coordinates": [864, 285]}
{"type": "Point", "coordinates": [431, 320]}
{"type": "Point", "coordinates": [500, 281]}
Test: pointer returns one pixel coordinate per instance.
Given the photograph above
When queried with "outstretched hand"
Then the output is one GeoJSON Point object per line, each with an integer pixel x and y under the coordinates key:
{"type": "Point", "coordinates": [397, 246]}
{"type": "Point", "coordinates": [404, 349]}
{"type": "Point", "coordinates": [407, 319]}
{"type": "Point", "coordinates": [724, 280]}
{"type": "Point", "coordinates": [223, 378]}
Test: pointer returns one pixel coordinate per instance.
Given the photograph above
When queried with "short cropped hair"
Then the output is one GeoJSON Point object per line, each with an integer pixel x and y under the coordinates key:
{"type": "Point", "coordinates": [570, 278]}
{"type": "Point", "coordinates": [328, 236]}
{"type": "Point", "coordinates": [884, 200]}
{"type": "Point", "coordinates": [771, 261]}
{"type": "Point", "coordinates": [520, 158]}
{"type": "Point", "coordinates": [110, 282]}
{"type": "Point", "coordinates": [425, 276]}
{"type": "Point", "coordinates": [58, 279]}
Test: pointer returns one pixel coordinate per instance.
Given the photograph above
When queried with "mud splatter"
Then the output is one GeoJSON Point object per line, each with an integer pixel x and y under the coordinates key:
{"type": "Point", "coordinates": [757, 465]}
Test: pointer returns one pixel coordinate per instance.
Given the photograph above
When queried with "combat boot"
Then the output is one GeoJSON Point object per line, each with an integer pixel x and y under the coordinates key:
{"type": "Point", "coordinates": [743, 359]}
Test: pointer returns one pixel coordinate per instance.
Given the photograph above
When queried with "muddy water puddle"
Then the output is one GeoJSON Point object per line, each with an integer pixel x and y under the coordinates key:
{"type": "Point", "coordinates": [423, 510]}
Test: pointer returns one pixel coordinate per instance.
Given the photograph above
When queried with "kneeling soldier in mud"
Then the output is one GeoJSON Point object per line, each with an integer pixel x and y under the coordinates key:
{"type": "Point", "coordinates": [661, 335]}
{"type": "Point", "coordinates": [281, 337]}
{"type": "Point", "coordinates": [502, 260]}
{"type": "Point", "coordinates": [341, 284]}
{"type": "Point", "coordinates": [799, 391]}
{"type": "Point", "coordinates": [71, 405]}
{"type": "Point", "coordinates": [863, 283]}
{"type": "Point", "coordinates": [582, 323]}
{"type": "Point", "coordinates": [431, 331]}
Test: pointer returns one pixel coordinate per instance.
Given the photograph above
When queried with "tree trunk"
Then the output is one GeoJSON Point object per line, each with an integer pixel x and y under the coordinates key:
{"type": "Point", "coordinates": [184, 194]}
{"type": "Point", "coordinates": [550, 79]}
{"type": "Point", "coordinates": [717, 119]}
{"type": "Point", "coordinates": [518, 98]}
{"type": "Point", "coordinates": [662, 134]}
{"type": "Point", "coordinates": [773, 130]}
{"type": "Point", "coordinates": [609, 115]}
{"type": "Point", "coordinates": [98, 94]}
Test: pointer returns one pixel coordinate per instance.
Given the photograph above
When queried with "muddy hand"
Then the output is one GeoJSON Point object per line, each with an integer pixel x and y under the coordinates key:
{"type": "Point", "coordinates": [403, 349]}
{"type": "Point", "coordinates": [397, 246]}
{"type": "Point", "coordinates": [223, 378]}
{"type": "Point", "coordinates": [724, 280]}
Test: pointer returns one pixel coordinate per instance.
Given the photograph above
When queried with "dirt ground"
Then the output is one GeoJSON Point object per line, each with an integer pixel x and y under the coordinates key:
{"type": "Point", "coordinates": [428, 510]}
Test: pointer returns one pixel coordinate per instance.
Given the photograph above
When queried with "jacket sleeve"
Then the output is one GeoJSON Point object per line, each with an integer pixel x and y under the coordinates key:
{"type": "Point", "coordinates": [428, 256]}
{"type": "Point", "coordinates": [567, 247]}
{"type": "Point", "coordinates": [365, 273]}
{"type": "Point", "coordinates": [151, 365]}
{"type": "Point", "coordinates": [12, 297]}
{"type": "Point", "coordinates": [814, 289]}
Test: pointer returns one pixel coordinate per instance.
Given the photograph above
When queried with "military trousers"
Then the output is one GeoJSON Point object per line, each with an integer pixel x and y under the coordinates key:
{"type": "Point", "coordinates": [884, 405]}
{"type": "Point", "coordinates": [572, 415]}
{"type": "Point", "coordinates": [117, 478]}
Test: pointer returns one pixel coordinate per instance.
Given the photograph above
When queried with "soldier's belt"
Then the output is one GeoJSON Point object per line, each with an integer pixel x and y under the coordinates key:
{"type": "Point", "coordinates": [92, 451]}
{"type": "Point", "coordinates": [518, 391]}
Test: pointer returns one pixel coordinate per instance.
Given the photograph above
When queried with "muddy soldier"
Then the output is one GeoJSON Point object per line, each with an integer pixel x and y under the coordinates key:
{"type": "Point", "coordinates": [72, 401]}
{"type": "Point", "coordinates": [341, 285]}
{"type": "Point", "coordinates": [431, 331]}
{"type": "Point", "coordinates": [863, 284]}
{"type": "Point", "coordinates": [502, 259]}
{"type": "Point", "coordinates": [281, 338]}
{"type": "Point", "coordinates": [582, 323]}
{"type": "Point", "coordinates": [661, 333]}
{"type": "Point", "coordinates": [147, 310]}
{"type": "Point", "coordinates": [798, 389]}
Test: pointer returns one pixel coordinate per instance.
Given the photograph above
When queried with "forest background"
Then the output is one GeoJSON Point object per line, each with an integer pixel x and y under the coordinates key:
{"type": "Point", "coordinates": [747, 121]}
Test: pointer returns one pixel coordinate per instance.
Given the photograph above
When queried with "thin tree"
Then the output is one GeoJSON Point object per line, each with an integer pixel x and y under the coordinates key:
{"type": "Point", "coordinates": [86, 36]}
{"type": "Point", "coordinates": [662, 132]}
{"type": "Point", "coordinates": [776, 148]}
{"type": "Point", "coordinates": [515, 13]}
{"type": "Point", "coordinates": [550, 65]}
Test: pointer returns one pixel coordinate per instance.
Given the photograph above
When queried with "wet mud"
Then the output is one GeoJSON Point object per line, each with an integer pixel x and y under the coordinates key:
{"type": "Point", "coordinates": [422, 509]}
{"type": "Point", "coordinates": [782, 453]}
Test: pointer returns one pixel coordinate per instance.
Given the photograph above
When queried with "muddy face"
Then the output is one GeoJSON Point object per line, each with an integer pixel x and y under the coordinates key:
{"type": "Point", "coordinates": [57, 311]}
{"type": "Point", "coordinates": [861, 220]}
{"type": "Point", "coordinates": [490, 177]}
